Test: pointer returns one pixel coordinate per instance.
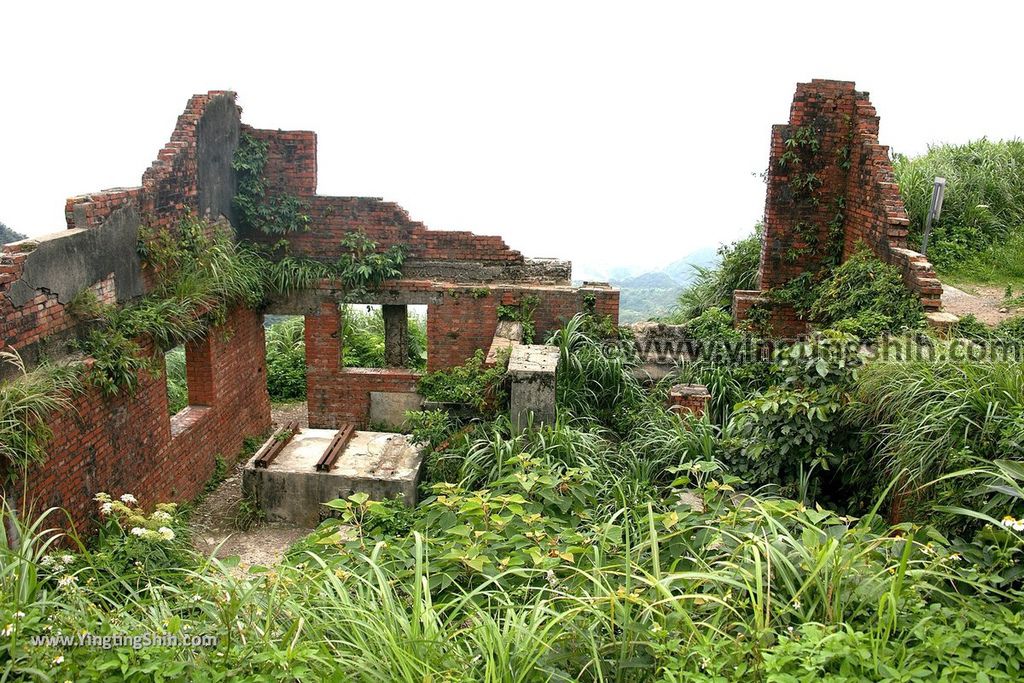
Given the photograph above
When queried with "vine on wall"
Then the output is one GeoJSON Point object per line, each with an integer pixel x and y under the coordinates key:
{"type": "Point", "coordinates": [276, 215]}
{"type": "Point", "coordinates": [803, 164]}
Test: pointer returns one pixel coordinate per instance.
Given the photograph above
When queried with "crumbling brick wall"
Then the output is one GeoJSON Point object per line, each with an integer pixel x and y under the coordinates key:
{"type": "Point", "coordinates": [129, 444]}
{"type": "Point", "coordinates": [292, 169]}
{"type": "Point", "coordinates": [831, 142]}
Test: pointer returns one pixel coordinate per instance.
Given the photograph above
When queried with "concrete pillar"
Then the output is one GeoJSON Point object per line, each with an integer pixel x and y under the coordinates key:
{"type": "Point", "coordinates": [396, 335]}
{"type": "Point", "coordinates": [533, 370]}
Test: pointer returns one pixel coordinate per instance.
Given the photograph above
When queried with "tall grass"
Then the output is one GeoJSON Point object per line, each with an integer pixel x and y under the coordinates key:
{"type": "Point", "coordinates": [651, 595]}
{"type": "Point", "coordinates": [713, 286]}
{"type": "Point", "coordinates": [984, 200]}
{"type": "Point", "coordinates": [27, 399]}
{"type": "Point", "coordinates": [925, 417]}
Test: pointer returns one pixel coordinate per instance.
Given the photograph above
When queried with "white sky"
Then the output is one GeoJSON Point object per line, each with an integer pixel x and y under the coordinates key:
{"type": "Point", "coordinates": [622, 133]}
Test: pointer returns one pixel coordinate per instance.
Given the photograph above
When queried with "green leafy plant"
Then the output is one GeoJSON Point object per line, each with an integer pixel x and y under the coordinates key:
{"type": "Point", "coordinates": [866, 298]}
{"type": "Point", "coordinates": [275, 215]}
{"type": "Point", "coordinates": [522, 313]}
{"type": "Point", "coordinates": [472, 383]}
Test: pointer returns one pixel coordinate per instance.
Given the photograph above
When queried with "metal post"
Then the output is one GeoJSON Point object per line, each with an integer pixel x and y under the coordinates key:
{"type": "Point", "coordinates": [934, 210]}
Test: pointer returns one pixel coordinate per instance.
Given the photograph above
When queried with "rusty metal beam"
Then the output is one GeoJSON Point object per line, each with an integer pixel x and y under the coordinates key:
{"type": "Point", "coordinates": [336, 448]}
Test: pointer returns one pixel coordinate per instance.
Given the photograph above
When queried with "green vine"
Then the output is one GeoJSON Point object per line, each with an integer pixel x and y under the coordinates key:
{"type": "Point", "coordinates": [523, 314]}
{"type": "Point", "coordinates": [276, 215]}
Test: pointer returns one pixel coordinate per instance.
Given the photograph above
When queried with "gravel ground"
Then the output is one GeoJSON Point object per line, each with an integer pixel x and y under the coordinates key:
{"type": "Point", "coordinates": [213, 522]}
{"type": "Point", "coordinates": [985, 302]}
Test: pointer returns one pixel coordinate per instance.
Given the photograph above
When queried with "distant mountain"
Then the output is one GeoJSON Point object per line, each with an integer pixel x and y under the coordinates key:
{"type": "Point", "coordinates": [683, 269]}
{"type": "Point", "coordinates": [8, 235]}
{"type": "Point", "coordinates": [649, 280]}
{"type": "Point", "coordinates": [651, 294]}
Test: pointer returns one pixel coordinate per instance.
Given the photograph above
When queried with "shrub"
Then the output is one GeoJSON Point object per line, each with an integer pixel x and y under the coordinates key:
{"type": "Point", "coordinates": [866, 298]}
{"type": "Point", "coordinates": [788, 431]}
{"type": "Point", "coordinates": [595, 381]}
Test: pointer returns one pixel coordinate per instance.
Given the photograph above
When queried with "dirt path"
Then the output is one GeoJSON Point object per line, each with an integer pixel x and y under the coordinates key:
{"type": "Point", "coordinates": [213, 522]}
{"type": "Point", "coordinates": [985, 302]}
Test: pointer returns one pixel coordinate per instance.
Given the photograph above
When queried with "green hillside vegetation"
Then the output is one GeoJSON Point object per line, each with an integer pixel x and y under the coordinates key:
{"type": "Point", "coordinates": [980, 234]}
{"type": "Point", "coordinates": [847, 519]}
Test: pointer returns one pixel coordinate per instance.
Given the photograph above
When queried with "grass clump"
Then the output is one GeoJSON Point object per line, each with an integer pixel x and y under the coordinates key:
{"type": "Point", "coordinates": [27, 399]}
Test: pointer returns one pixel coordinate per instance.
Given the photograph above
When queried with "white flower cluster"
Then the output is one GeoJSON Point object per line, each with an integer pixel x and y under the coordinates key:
{"type": "Point", "coordinates": [57, 563]}
{"type": "Point", "coordinates": [155, 527]}
{"type": "Point", "coordinates": [164, 533]}
{"type": "Point", "coordinates": [1011, 523]}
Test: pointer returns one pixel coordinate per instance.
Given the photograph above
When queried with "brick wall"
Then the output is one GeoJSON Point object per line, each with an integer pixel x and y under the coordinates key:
{"type": "Point", "coordinates": [129, 444]}
{"type": "Point", "coordinates": [460, 320]}
{"type": "Point", "coordinates": [689, 398]}
{"type": "Point", "coordinates": [291, 168]}
{"type": "Point", "coordinates": [169, 188]}
{"type": "Point", "coordinates": [856, 184]}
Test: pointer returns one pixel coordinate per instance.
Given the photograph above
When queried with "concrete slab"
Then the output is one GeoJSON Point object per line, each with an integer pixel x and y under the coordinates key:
{"type": "Point", "coordinates": [380, 464]}
{"type": "Point", "coordinates": [389, 407]}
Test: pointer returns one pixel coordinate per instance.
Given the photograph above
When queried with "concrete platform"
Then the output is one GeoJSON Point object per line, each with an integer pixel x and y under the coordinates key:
{"type": "Point", "coordinates": [380, 464]}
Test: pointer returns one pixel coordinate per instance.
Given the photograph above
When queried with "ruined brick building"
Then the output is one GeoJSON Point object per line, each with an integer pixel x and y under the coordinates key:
{"type": "Point", "coordinates": [830, 187]}
{"type": "Point", "coordinates": [129, 442]}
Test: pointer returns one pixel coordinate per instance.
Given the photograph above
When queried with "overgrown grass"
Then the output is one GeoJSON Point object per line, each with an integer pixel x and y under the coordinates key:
{"type": "Point", "coordinates": [997, 264]}
{"type": "Point", "coordinates": [27, 400]}
{"type": "Point", "coordinates": [983, 206]}
{"type": "Point", "coordinates": [927, 419]}
{"type": "Point", "coordinates": [612, 545]}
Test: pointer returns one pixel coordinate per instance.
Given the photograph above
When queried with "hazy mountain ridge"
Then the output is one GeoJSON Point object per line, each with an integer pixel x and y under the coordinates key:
{"type": "Point", "coordinates": [646, 293]}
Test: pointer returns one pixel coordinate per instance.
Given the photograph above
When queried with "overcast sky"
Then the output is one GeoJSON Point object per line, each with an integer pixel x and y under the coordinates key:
{"type": "Point", "coordinates": [626, 133]}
